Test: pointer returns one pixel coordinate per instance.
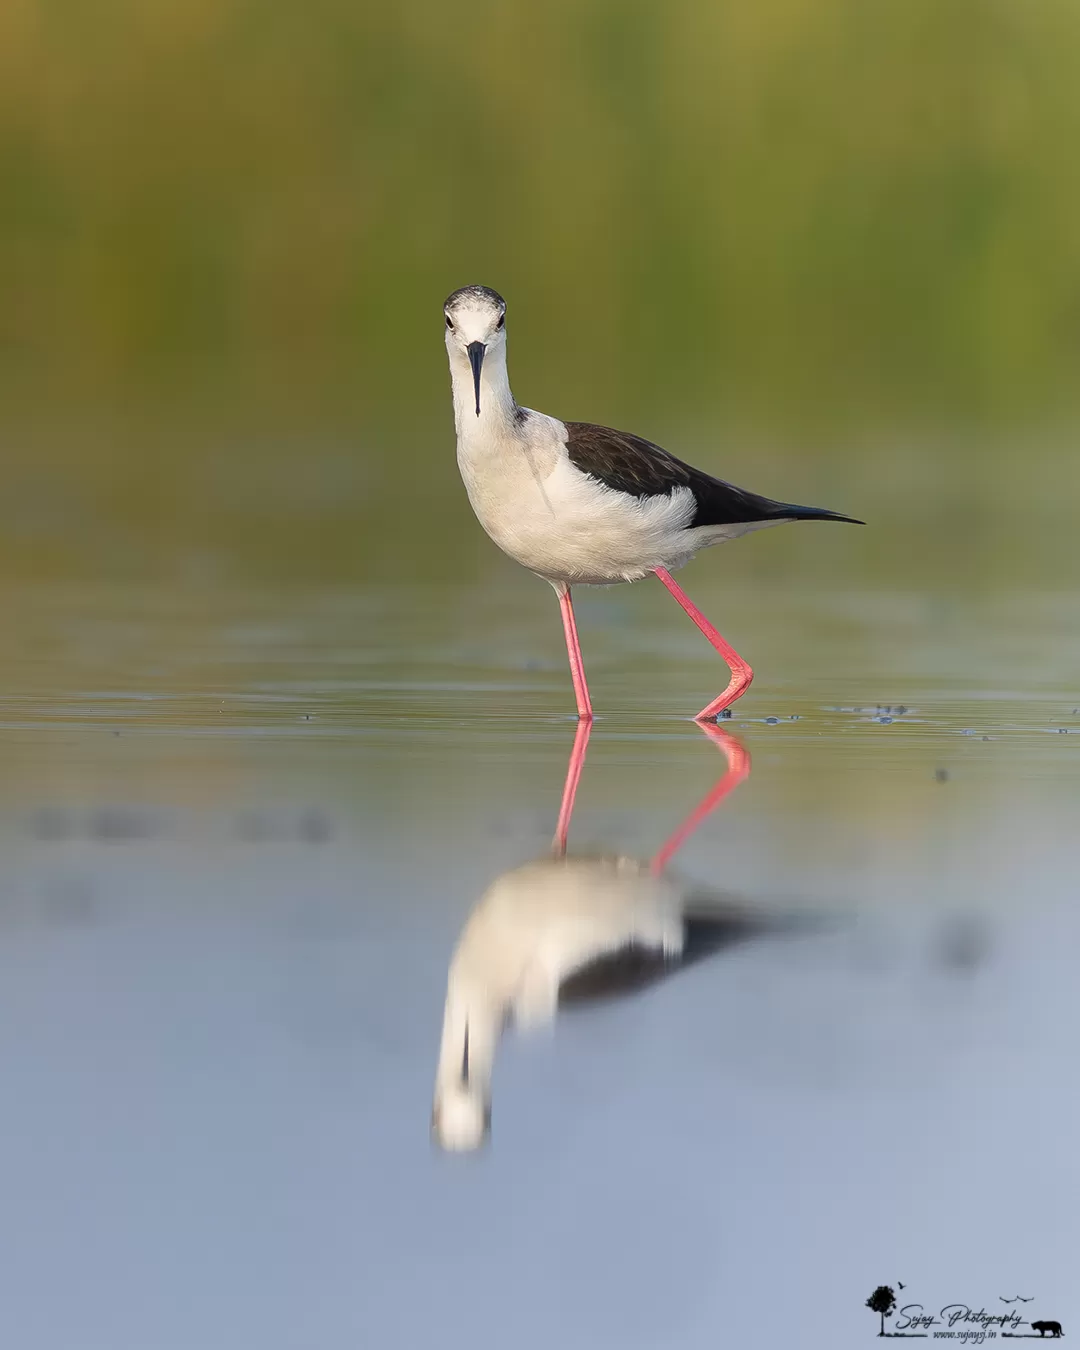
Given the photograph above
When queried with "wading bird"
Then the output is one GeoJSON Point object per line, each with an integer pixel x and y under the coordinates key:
{"type": "Point", "coordinates": [582, 504]}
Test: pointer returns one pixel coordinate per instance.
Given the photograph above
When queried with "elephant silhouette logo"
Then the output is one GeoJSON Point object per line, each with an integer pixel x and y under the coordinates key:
{"type": "Point", "coordinates": [1054, 1328]}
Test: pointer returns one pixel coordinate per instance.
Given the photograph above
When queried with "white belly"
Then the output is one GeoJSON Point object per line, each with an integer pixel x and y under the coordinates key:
{"type": "Point", "coordinates": [569, 528]}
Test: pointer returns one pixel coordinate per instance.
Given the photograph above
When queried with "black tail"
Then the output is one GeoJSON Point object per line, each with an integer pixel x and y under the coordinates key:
{"type": "Point", "coordinates": [720, 503]}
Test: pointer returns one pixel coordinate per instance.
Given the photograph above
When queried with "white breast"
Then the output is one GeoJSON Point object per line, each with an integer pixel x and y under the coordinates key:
{"type": "Point", "coordinates": [559, 522]}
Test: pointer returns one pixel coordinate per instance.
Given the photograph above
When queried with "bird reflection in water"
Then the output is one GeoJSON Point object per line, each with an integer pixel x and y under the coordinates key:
{"type": "Point", "coordinates": [561, 929]}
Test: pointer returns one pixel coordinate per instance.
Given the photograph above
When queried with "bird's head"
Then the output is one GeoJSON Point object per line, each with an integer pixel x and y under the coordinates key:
{"type": "Point", "coordinates": [460, 1118]}
{"type": "Point", "coordinates": [475, 326]}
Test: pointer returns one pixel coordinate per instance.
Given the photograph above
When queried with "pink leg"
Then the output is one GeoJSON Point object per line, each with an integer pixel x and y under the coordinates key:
{"type": "Point", "coordinates": [573, 650]}
{"type": "Point", "coordinates": [573, 777]}
{"type": "Point", "coordinates": [741, 674]}
{"type": "Point", "coordinates": [738, 769]}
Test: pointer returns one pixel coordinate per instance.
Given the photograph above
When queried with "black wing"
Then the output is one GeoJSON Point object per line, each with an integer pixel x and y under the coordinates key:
{"type": "Point", "coordinates": [722, 924]}
{"type": "Point", "coordinates": [712, 921]}
{"type": "Point", "coordinates": [633, 465]}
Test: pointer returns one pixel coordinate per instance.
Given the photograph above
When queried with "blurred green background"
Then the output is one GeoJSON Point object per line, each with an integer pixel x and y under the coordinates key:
{"type": "Point", "coordinates": [827, 248]}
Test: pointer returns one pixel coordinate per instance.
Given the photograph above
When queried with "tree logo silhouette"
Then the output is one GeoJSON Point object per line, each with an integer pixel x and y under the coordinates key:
{"type": "Point", "coordinates": [883, 1301]}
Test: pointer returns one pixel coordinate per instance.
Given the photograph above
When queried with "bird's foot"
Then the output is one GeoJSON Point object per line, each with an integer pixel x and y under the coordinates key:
{"type": "Point", "coordinates": [720, 707]}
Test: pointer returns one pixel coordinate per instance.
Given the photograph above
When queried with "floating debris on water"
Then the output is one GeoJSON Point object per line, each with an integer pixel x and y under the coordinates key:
{"type": "Point", "coordinates": [963, 942]}
{"type": "Point", "coordinates": [941, 775]}
{"type": "Point", "coordinates": [874, 711]}
{"type": "Point", "coordinates": [111, 823]}
{"type": "Point", "coordinates": [315, 827]}
{"type": "Point", "coordinates": [121, 823]}
{"type": "Point", "coordinates": [311, 826]}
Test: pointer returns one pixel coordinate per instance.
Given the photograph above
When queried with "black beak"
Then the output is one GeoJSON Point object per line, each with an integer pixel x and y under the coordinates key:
{"type": "Point", "coordinates": [476, 352]}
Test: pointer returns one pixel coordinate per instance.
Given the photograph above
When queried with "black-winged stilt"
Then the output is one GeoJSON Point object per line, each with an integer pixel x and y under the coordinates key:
{"type": "Point", "coordinates": [582, 504]}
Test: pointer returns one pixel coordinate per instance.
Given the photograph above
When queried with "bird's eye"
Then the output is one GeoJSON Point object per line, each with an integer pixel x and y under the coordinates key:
{"type": "Point", "coordinates": [450, 323]}
{"type": "Point", "coordinates": [502, 320]}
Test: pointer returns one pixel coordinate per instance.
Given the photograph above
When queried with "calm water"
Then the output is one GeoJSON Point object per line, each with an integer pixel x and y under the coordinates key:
{"type": "Point", "coordinates": [242, 832]}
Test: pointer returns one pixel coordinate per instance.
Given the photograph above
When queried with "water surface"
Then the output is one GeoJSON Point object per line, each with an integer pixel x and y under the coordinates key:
{"type": "Point", "coordinates": [242, 831]}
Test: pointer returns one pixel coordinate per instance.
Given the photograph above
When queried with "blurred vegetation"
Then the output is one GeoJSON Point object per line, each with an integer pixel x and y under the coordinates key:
{"type": "Point", "coordinates": [827, 247]}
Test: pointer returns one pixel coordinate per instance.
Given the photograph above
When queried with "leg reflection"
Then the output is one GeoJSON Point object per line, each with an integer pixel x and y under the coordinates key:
{"type": "Point", "coordinates": [738, 768]}
{"type": "Point", "coordinates": [570, 787]}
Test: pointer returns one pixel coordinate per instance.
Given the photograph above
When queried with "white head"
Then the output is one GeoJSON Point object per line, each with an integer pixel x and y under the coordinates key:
{"type": "Point", "coordinates": [475, 329]}
{"type": "Point", "coordinates": [460, 1118]}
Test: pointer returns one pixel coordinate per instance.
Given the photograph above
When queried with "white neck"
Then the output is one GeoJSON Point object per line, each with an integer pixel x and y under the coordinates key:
{"type": "Point", "coordinates": [476, 1019]}
{"type": "Point", "coordinates": [497, 405]}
